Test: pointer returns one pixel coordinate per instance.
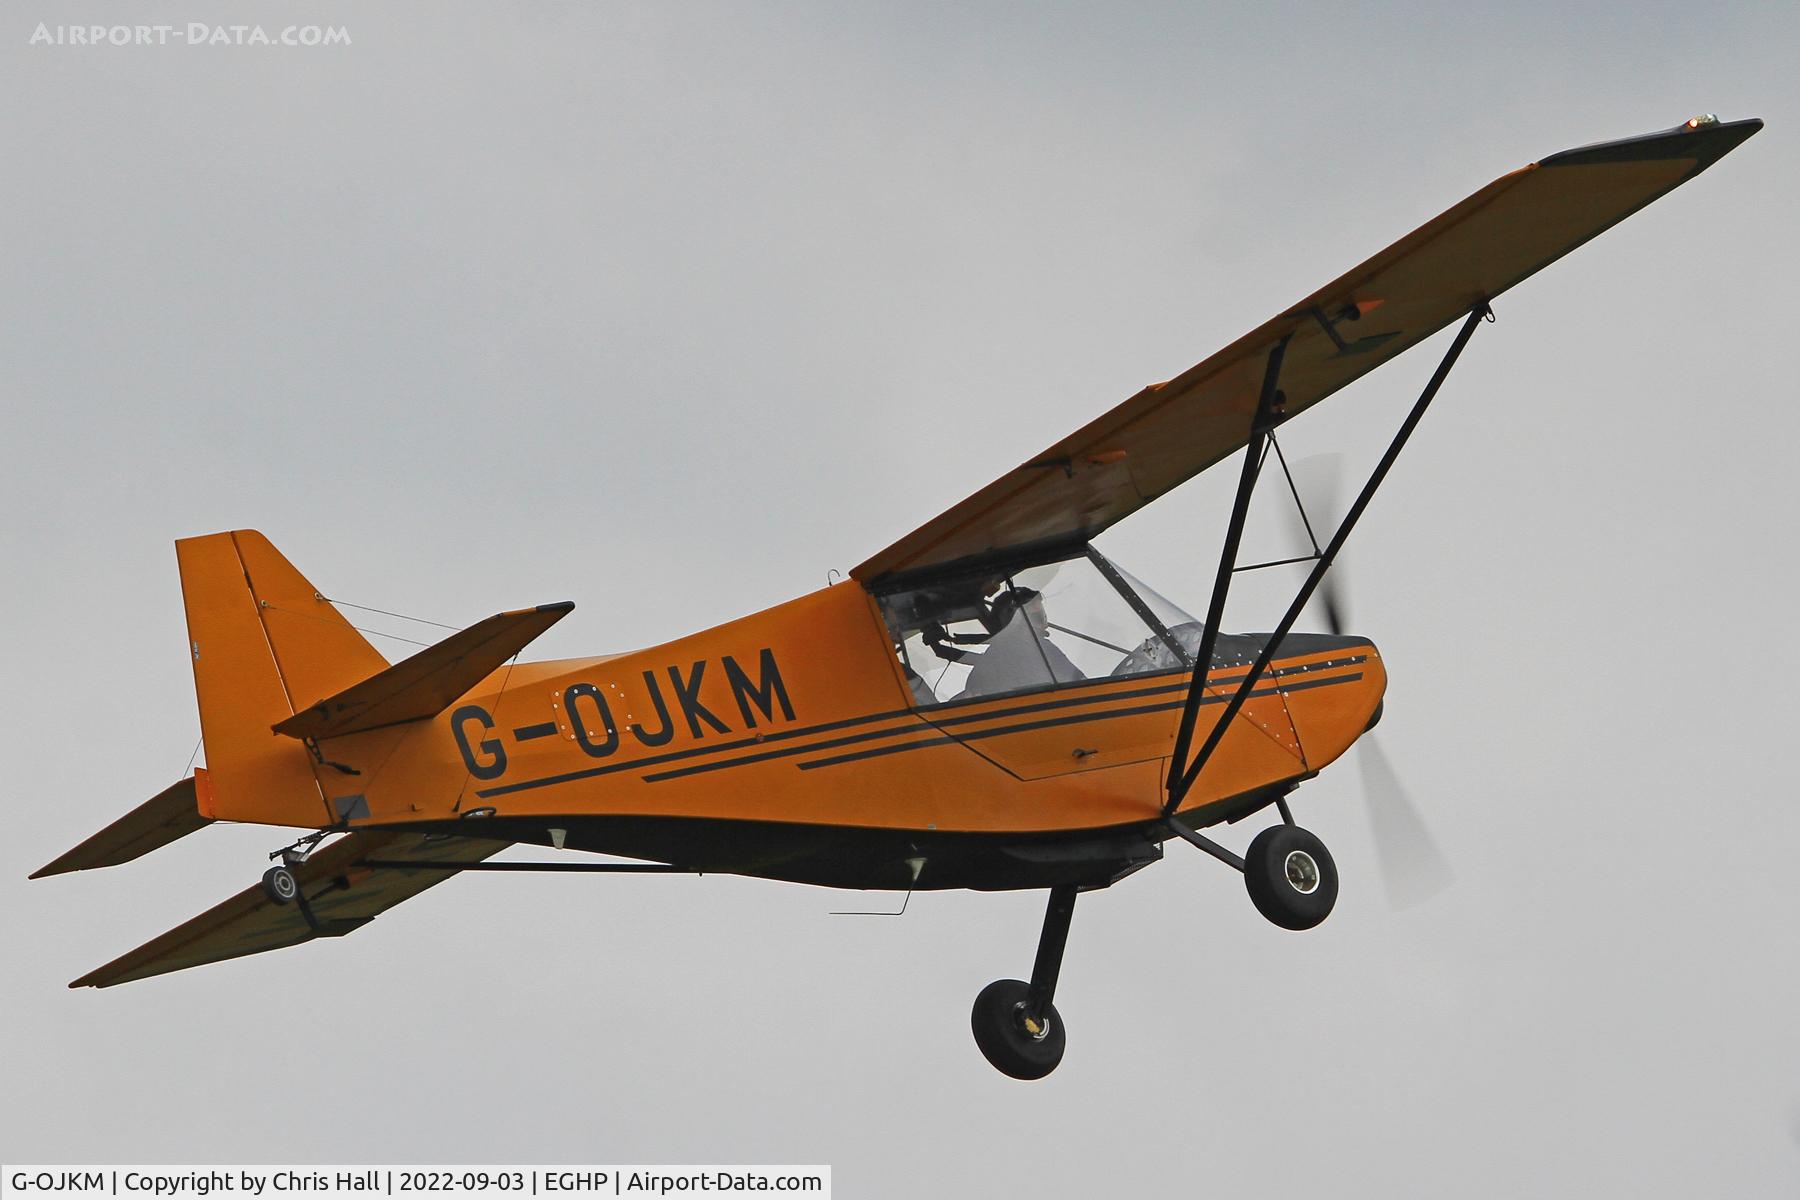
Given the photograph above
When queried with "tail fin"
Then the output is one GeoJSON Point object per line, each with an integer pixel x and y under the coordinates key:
{"type": "Point", "coordinates": [265, 644]}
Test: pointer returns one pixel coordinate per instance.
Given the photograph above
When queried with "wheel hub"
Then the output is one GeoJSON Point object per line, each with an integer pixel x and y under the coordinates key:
{"type": "Point", "coordinates": [1302, 872]}
{"type": "Point", "coordinates": [1035, 1028]}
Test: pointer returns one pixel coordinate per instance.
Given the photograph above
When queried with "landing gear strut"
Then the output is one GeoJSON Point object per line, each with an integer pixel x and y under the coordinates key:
{"type": "Point", "coordinates": [279, 882]}
{"type": "Point", "coordinates": [1287, 870]}
{"type": "Point", "coordinates": [1016, 1026]}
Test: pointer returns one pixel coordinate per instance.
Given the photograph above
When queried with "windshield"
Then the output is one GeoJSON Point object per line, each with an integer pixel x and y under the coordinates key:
{"type": "Point", "coordinates": [991, 633]}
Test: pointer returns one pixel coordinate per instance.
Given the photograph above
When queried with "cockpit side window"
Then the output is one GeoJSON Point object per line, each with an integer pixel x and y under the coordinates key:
{"type": "Point", "coordinates": [998, 632]}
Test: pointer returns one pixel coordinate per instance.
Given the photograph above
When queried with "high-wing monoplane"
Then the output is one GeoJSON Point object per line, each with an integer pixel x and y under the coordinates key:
{"type": "Point", "coordinates": [988, 703]}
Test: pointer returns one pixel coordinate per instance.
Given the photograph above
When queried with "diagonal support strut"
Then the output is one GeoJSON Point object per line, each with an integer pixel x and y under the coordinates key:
{"type": "Point", "coordinates": [1268, 402]}
{"type": "Point", "coordinates": [1181, 774]}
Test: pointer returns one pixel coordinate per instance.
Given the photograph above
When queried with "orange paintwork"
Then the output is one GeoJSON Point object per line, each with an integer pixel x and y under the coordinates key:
{"type": "Point", "coordinates": [610, 736]}
{"type": "Point", "coordinates": [787, 743]}
{"type": "Point", "coordinates": [255, 777]}
{"type": "Point", "coordinates": [205, 800]}
{"type": "Point", "coordinates": [817, 725]}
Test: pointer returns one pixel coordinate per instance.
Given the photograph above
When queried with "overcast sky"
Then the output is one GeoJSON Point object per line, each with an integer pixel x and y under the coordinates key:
{"type": "Point", "coordinates": [669, 310]}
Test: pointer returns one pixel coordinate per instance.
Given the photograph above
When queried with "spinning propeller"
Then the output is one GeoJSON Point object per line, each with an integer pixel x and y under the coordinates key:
{"type": "Point", "coordinates": [1412, 867]}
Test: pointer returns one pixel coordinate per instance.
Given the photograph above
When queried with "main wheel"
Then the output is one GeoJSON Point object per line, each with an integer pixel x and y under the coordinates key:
{"type": "Point", "coordinates": [1015, 1044]}
{"type": "Point", "coordinates": [279, 885]}
{"type": "Point", "coordinates": [1290, 877]}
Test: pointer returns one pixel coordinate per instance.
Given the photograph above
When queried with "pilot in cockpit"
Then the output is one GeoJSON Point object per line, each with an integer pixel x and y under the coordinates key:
{"type": "Point", "coordinates": [1017, 650]}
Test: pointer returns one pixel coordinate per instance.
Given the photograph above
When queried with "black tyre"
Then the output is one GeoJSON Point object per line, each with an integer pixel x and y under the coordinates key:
{"type": "Point", "coordinates": [1290, 877]}
{"type": "Point", "coordinates": [1002, 1032]}
{"type": "Point", "coordinates": [279, 885]}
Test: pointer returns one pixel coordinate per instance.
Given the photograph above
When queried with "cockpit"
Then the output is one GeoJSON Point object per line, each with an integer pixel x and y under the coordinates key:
{"type": "Point", "coordinates": [992, 632]}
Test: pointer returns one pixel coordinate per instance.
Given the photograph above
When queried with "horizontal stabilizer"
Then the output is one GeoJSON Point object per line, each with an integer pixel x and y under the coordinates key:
{"type": "Point", "coordinates": [340, 896]}
{"type": "Point", "coordinates": [171, 814]}
{"type": "Point", "coordinates": [421, 687]}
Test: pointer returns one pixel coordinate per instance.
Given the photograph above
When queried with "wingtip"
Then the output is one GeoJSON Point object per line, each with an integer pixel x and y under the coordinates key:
{"type": "Point", "coordinates": [62, 864]}
{"type": "Point", "coordinates": [1705, 139]}
{"type": "Point", "coordinates": [559, 609]}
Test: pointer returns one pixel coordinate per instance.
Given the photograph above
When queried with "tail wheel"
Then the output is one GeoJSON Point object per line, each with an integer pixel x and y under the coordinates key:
{"type": "Point", "coordinates": [1016, 1042]}
{"type": "Point", "coordinates": [279, 885]}
{"type": "Point", "coordinates": [1290, 877]}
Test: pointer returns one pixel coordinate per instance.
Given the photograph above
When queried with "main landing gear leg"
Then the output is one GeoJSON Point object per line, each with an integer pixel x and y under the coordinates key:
{"type": "Point", "coordinates": [279, 882]}
{"type": "Point", "coordinates": [1016, 1024]}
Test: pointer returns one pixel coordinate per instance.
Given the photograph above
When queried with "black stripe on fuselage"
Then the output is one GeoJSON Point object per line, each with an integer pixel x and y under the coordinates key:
{"type": "Point", "coordinates": [691, 752]}
{"type": "Point", "coordinates": [784, 735]}
{"type": "Point", "coordinates": [905, 729]}
{"type": "Point", "coordinates": [976, 735]}
{"type": "Point", "coordinates": [1078, 719]}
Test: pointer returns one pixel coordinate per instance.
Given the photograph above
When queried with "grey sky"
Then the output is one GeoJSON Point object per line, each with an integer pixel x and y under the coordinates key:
{"type": "Point", "coordinates": [668, 310]}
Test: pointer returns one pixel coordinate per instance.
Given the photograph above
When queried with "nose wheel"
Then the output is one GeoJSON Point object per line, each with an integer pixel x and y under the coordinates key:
{"type": "Point", "coordinates": [1290, 877]}
{"type": "Point", "coordinates": [1287, 871]}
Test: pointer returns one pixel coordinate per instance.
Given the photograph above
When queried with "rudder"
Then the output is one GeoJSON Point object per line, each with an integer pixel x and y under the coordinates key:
{"type": "Point", "coordinates": [265, 643]}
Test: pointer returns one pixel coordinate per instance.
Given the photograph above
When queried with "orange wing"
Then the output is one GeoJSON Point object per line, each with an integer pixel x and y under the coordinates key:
{"type": "Point", "coordinates": [1170, 432]}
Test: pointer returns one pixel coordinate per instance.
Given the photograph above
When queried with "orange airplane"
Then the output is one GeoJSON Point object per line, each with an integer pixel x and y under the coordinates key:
{"type": "Point", "coordinates": [988, 703]}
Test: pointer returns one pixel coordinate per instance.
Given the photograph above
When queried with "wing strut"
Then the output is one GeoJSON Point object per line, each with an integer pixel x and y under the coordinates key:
{"type": "Point", "coordinates": [1268, 405]}
{"type": "Point", "coordinates": [1182, 773]}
